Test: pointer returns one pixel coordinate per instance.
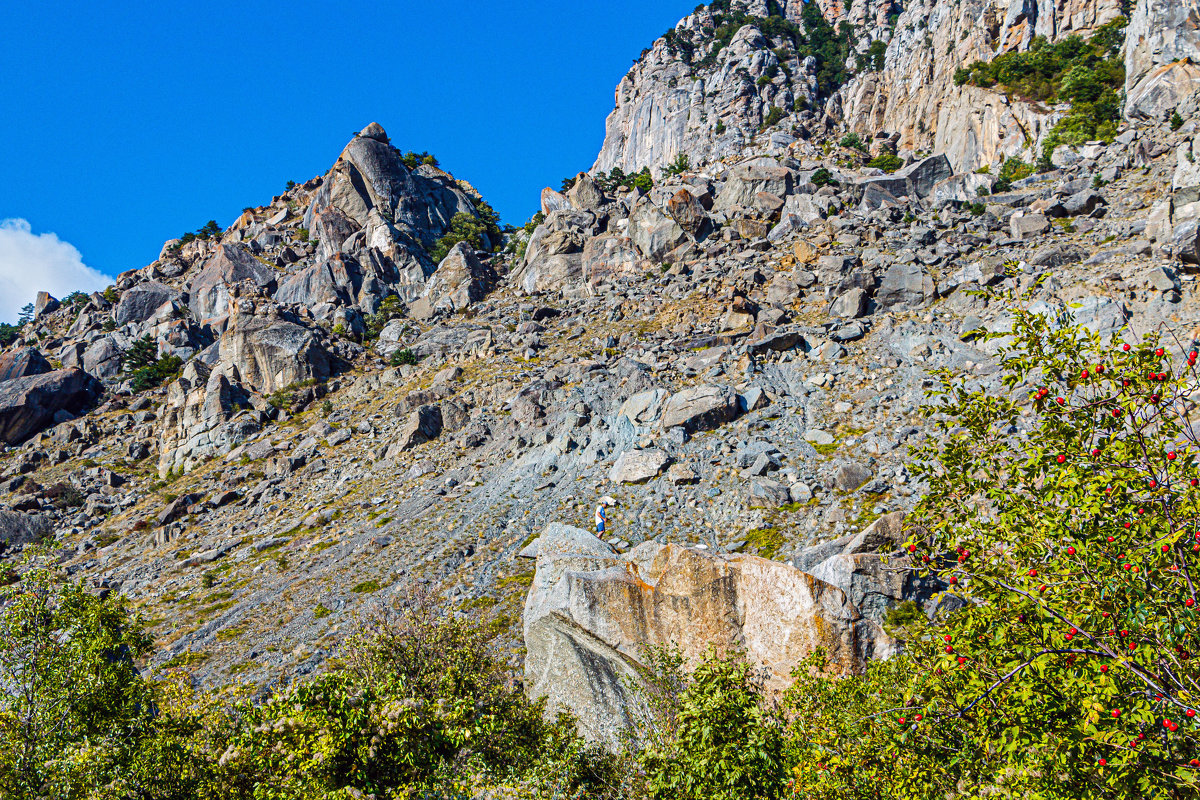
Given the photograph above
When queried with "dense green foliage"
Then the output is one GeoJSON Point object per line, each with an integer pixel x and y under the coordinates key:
{"type": "Point", "coordinates": [713, 737]}
{"type": "Point", "coordinates": [823, 177]}
{"type": "Point", "coordinates": [1088, 74]}
{"type": "Point", "coordinates": [402, 357]}
{"type": "Point", "coordinates": [146, 370]}
{"type": "Point", "coordinates": [464, 227]}
{"type": "Point", "coordinates": [9, 333]}
{"type": "Point", "coordinates": [852, 141]}
{"type": "Point", "coordinates": [210, 230]}
{"type": "Point", "coordinates": [680, 165]}
{"type": "Point", "coordinates": [815, 38]}
{"type": "Point", "coordinates": [888, 162]}
{"type": "Point", "coordinates": [418, 705]}
{"type": "Point", "coordinates": [1176, 121]}
{"type": "Point", "coordinates": [1013, 169]}
{"type": "Point", "coordinates": [390, 308]}
{"type": "Point", "coordinates": [413, 160]}
{"type": "Point", "coordinates": [617, 179]}
{"type": "Point", "coordinates": [1062, 511]}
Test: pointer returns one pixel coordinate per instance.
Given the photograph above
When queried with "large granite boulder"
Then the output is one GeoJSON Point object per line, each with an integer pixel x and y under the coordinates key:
{"type": "Point", "coordinates": [335, 281]}
{"type": "Point", "coordinates": [591, 612]}
{"type": "Point", "coordinates": [22, 362]}
{"type": "Point", "coordinates": [653, 232]}
{"type": "Point", "coordinates": [905, 286]}
{"type": "Point", "coordinates": [1162, 49]}
{"type": "Point", "coordinates": [209, 291]}
{"type": "Point", "coordinates": [459, 281]}
{"type": "Point", "coordinates": [916, 180]}
{"type": "Point", "coordinates": [701, 408]}
{"type": "Point", "coordinates": [746, 181]}
{"type": "Point", "coordinates": [270, 353]}
{"type": "Point", "coordinates": [30, 403]}
{"type": "Point", "coordinates": [141, 301]}
{"type": "Point", "coordinates": [553, 258]}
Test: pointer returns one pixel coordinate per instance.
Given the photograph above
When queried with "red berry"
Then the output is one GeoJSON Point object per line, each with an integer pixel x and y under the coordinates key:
{"type": "Point", "coordinates": [1060, 401]}
{"type": "Point", "coordinates": [1033, 573]}
{"type": "Point", "coordinates": [903, 720]}
{"type": "Point", "coordinates": [1070, 551]}
{"type": "Point", "coordinates": [1125, 348]}
{"type": "Point", "coordinates": [1083, 374]}
{"type": "Point", "coordinates": [1111, 539]}
{"type": "Point", "coordinates": [948, 638]}
{"type": "Point", "coordinates": [1061, 459]}
{"type": "Point", "coordinates": [1171, 456]}
{"type": "Point", "coordinates": [1095, 452]}
{"type": "Point", "coordinates": [1116, 412]}
{"type": "Point", "coordinates": [952, 580]}
{"type": "Point", "coordinates": [1102, 762]}
{"type": "Point", "coordinates": [912, 548]}
{"type": "Point", "coordinates": [1191, 712]}
{"type": "Point", "coordinates": [1166, 548]}
{"type": "Point", "coordinates": [918, 717]}
{"type": "Point", "coordinates": [1158, 352]}
{"type": "Point", "coordinates": [949, 648]}
{"type": "Point", "coordinates": [1189, 602]}
{"type": "Point", "coordinates": [1116, 713]}
{"type": "Point", "coordinates": [1104, 668]}
{"type": "Point", "coordinates": [961, 661]}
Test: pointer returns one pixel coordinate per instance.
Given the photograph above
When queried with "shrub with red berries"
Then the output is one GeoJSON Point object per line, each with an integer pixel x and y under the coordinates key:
{"type": "Point", "coordinates": [1074, 669]}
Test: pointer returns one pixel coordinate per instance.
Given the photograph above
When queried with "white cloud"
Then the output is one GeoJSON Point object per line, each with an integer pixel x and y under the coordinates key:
{"type": "Point", "coordinates": [31, 262]}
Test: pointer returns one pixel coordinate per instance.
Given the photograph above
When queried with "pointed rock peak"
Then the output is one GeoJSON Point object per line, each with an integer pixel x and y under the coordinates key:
{"type": "Point", "coordinates": [374, 131]}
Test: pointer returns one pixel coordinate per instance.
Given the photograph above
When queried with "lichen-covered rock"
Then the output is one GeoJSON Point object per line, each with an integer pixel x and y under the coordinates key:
{"type": "Point", "coordinates": [209, 292]}
{"type": "Point", "coordinates": [271, 353]}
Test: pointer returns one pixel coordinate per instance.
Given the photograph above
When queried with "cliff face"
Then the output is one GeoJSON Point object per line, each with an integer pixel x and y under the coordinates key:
{"type": "Point", "coordinates": [666, 106]}
{"type": "Point", "coordinates": [673, 102]}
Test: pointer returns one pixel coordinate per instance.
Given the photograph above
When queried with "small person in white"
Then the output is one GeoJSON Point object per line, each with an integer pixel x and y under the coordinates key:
{"type": "Point", "coordinates": [602, 515]}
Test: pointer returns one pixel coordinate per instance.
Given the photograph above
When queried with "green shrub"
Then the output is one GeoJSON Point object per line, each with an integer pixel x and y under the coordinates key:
{"type": "Point", "coordinates": [158, 373]}
{"type": "Point", "coordinates": [852, 141]}
{"type": "Point", "coordinates": [773, 116]}
{"type": "Point", "coordinates": [402, 357]}
{"type": "Point", "coordinates": [413, 160]}
{"type": "Point", "coordinates": [1013, 169]}
{"type": "Point", "coordinates": [887, 162]}
{"type": "Point", "coordinates": [680, 165]}
{"type": "Point", "coordinates": [390, 308]}
{"type": "Point", "coordinates": [1176, 120]}
{"type": "Point", "coordinates": [8, 334]}
{"type": "Point", "coordinates": [715, 738]}
{"type": "Point", "coordinates": [823, 177]}
{"type": "Point", "coordinates": [719, 128]}
{"type": "Point", "coordinates": [464, 227]}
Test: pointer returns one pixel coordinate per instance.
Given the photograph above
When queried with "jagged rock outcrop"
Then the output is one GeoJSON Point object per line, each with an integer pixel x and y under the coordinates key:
{"type": "Point", "coordinates": [30, 403]}
{"type": "Point", "coordinates": [590, 611]}
{"type": "Point", "coordinates": [1162, 58]}
{"type": "Point", "coordinates": [204, 416]}
{"type": "Point", "coordinates": [209, 293]}
{"type": "Point", "coordinates": [460, 280]}
{"type": "Point", "coordinates": [666, 106]}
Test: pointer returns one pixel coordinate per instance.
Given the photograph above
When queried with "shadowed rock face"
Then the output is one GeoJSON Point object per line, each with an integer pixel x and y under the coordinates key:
{"type": "Point", "coordinates": [31, 403]}
{"type": "Point", "coordinates": [591, 611]}
{"type": "Point", "coordinates": [22, 362]}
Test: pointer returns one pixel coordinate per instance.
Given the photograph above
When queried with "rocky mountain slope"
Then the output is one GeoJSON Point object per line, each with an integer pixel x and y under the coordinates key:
{"type": "Point", "coordinates": [737, 356]}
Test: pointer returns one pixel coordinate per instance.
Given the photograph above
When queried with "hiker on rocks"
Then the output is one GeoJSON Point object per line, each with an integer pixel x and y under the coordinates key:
{"type": "Point", "coordinates": [601, 515]}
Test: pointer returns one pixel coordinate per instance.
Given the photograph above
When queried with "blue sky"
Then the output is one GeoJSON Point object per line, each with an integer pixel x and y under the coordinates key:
{"type": "Point", "coordinates": [128, 124]}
